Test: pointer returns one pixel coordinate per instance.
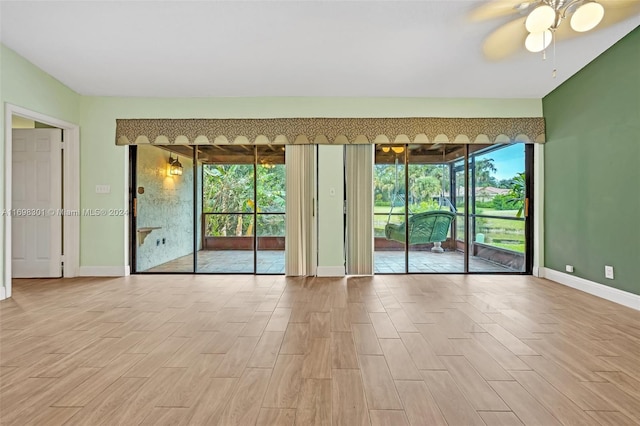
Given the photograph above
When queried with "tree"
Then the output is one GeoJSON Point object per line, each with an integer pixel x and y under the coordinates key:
{"type": "Point", "coordinates": [425, 183]}
{"type": "Point", "coordinates": [229, 188]}
{"type": "Point", "coordinates": [517, 192]}
{"type": "Point", "coordinates": [484, 169]}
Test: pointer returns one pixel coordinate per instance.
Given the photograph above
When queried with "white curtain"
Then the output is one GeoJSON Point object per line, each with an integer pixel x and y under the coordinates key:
{"type": "Point", "coordinates": [359, 184]}
{"type": "Point", "coordinates": [300, 243]}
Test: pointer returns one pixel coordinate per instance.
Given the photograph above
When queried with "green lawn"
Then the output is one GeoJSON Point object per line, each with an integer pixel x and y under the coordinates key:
{"type": "Point", "coordinates": [503, 233]}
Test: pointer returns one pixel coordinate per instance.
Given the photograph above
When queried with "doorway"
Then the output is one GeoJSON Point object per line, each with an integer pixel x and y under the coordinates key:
{"type": "Point", "coordinates": [446, 208]}
{"type": "Point", "coordinates": [221, 212]}
{"type": "Point", "coordinates": [70, 161]}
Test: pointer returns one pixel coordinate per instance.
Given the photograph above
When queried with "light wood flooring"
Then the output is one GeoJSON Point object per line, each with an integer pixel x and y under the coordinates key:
{"type": "Point", "coordinates": [270, 350]}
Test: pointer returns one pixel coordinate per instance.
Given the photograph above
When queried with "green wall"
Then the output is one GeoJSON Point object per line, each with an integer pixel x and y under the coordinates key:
{"type": "Point", "coordinates": [25, 85]}
{"type": "Point", "coordinates": [592, 169]}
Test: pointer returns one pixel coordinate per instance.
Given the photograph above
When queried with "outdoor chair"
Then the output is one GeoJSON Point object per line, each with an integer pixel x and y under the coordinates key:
{"type": "Point", "coordinates": [424, 228]}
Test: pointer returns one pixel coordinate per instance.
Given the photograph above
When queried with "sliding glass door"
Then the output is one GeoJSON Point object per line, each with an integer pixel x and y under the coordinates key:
{"type": "Point", "coordinates": [429, 199]}
{"type": "Point", "coordinates": [433, 244]}
{"type": "Point", "coordinates": [228, 209]}
{"type": "Point", "coordinates": [499, 208]}
{"type": "Point", "coordinates": [221, 211]}
{"type": "Point", "coordinates": [389, 209]}
{"type": "Point", "coordinates": [270, 210]}
{"type": "Point", "coordinates": [163, 205]}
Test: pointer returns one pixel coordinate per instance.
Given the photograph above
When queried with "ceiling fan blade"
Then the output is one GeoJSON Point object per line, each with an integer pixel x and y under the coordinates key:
{"type": "Point", "coordinates": [618, 4]}
{"type": "Point", "coordinates": [500, 8]}
{"type": "Point", "coordinates": [618, 10]}
{"type": "Point", "coordinates": [505, 41]}
{"type": "Point", "coordinates": [614, 12]}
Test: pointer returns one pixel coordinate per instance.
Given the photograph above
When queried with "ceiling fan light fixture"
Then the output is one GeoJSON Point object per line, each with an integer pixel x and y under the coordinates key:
{"type": "Point", "coordinates": [587, 16]}
{"type": "Point", "coordinates": [537, 42]}
{"type": "Point", "coordinates": [540, 19]}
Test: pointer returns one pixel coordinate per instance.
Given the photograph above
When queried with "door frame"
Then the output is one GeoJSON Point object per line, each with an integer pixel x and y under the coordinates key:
{"type": "Point", "coordinates": [70, 188]}
{"type": "Point", "coordinates": [534, 194]}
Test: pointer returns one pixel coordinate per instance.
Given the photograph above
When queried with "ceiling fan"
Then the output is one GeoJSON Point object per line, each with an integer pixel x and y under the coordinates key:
{"type": "Point", "coordinates": [538, 23]}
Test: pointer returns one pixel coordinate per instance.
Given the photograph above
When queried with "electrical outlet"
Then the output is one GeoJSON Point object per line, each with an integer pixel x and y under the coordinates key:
{"type": "Point", "coordinates": [569, 268]}
{"type": "Point", "coordinates": [608, 272]}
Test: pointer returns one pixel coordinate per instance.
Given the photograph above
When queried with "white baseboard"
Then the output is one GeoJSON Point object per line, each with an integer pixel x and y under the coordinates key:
{"type": "Point", "coordinates": [624, 298]}
{"type": "Point", "coordinates": [330, 271]}
{"type": "Point", "coordinates": [103, 271]}
{"type": "Point", "coordinates": [3, 293]}
{"type": "Point", "coordinates": [538, 272]}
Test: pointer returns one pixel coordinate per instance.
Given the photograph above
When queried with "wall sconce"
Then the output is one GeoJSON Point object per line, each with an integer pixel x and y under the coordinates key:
{"type": "Point", "coordinates": [175, 167]}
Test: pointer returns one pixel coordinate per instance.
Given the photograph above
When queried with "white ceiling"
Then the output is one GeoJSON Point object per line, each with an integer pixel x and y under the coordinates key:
{"type": "Point", "coordinates": [287, 48]}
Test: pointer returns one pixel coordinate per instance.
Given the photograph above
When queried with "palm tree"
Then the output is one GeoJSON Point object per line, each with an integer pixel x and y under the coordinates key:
{"type": "Point", "coordinates": [517, 191]}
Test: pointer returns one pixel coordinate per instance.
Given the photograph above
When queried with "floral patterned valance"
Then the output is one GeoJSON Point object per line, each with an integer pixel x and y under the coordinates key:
{"type": "Point", "coordinates": [329, 130]}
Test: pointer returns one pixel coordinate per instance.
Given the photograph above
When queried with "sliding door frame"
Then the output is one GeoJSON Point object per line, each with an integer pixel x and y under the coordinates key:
{"type": "Point", "coordinates": [198, 197]}
{"type": "Point", "coordinates": [528, 211]}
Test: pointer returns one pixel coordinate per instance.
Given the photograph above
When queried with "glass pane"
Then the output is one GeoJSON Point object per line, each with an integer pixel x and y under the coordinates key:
{"type": "Point", "coordinates": [497, 175]}
{"type": "Point", "coordinates": [164, 219]}
{"type": "Point", "coordinates": [228, 188]}
{"type": "Point", "coordinates": [432, 211]}
{"type": "Point", "coordinates": [228, 244]}
{"type": "Point", "coordinates": [458, 168]}
{"type": "Point", "coordinates": [460, 194]}
{"type": "Point", "coordinates": [271, 244]}
{"type": "Point", "coordinates": [271, 179]}
{"type": "Point", "coordinates": [389, 209]}
{"type": "Point", "coordinates": [500, 181]}
{"type": "Point", "coordinates": [271, 198]}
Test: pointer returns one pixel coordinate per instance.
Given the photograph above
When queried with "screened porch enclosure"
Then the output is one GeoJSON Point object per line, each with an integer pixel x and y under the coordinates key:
{"type": "Point", "coordinates": [423, 209]}
{"type": "Point", "coordinates": [226, 207]}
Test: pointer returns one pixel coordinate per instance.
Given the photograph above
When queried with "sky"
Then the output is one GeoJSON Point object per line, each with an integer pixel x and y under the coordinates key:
{"type": "Point", "coordinates": [509, 161]}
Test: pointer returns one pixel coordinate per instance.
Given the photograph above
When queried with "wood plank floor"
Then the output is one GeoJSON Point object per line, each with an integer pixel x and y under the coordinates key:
{"type": "Point", "coordinates": [270, 350]}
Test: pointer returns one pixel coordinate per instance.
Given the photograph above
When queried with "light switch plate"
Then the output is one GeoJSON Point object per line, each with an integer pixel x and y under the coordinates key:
{"type": "Point", "coordinates": [103, 189]}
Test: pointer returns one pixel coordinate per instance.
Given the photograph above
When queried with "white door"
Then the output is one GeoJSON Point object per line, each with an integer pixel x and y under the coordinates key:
{"type": "Point", "coordinates": [36, 222]}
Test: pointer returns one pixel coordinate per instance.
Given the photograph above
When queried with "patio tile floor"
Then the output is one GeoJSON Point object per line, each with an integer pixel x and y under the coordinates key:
{"type": "Point", "coordinates": [227, 261]}
{"type": "Point", "coordinates": [392, 262]}
{"type": "Point", "coordinates": [272, 262]}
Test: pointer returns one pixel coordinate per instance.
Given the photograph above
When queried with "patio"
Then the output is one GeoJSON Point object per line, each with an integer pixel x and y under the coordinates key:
{"type": "Point", "coordinates": [272, 262]}
{"type": "Point", "coordinates": [393, 262]}
{"type": "Point", "coordinates": [226, 261]}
